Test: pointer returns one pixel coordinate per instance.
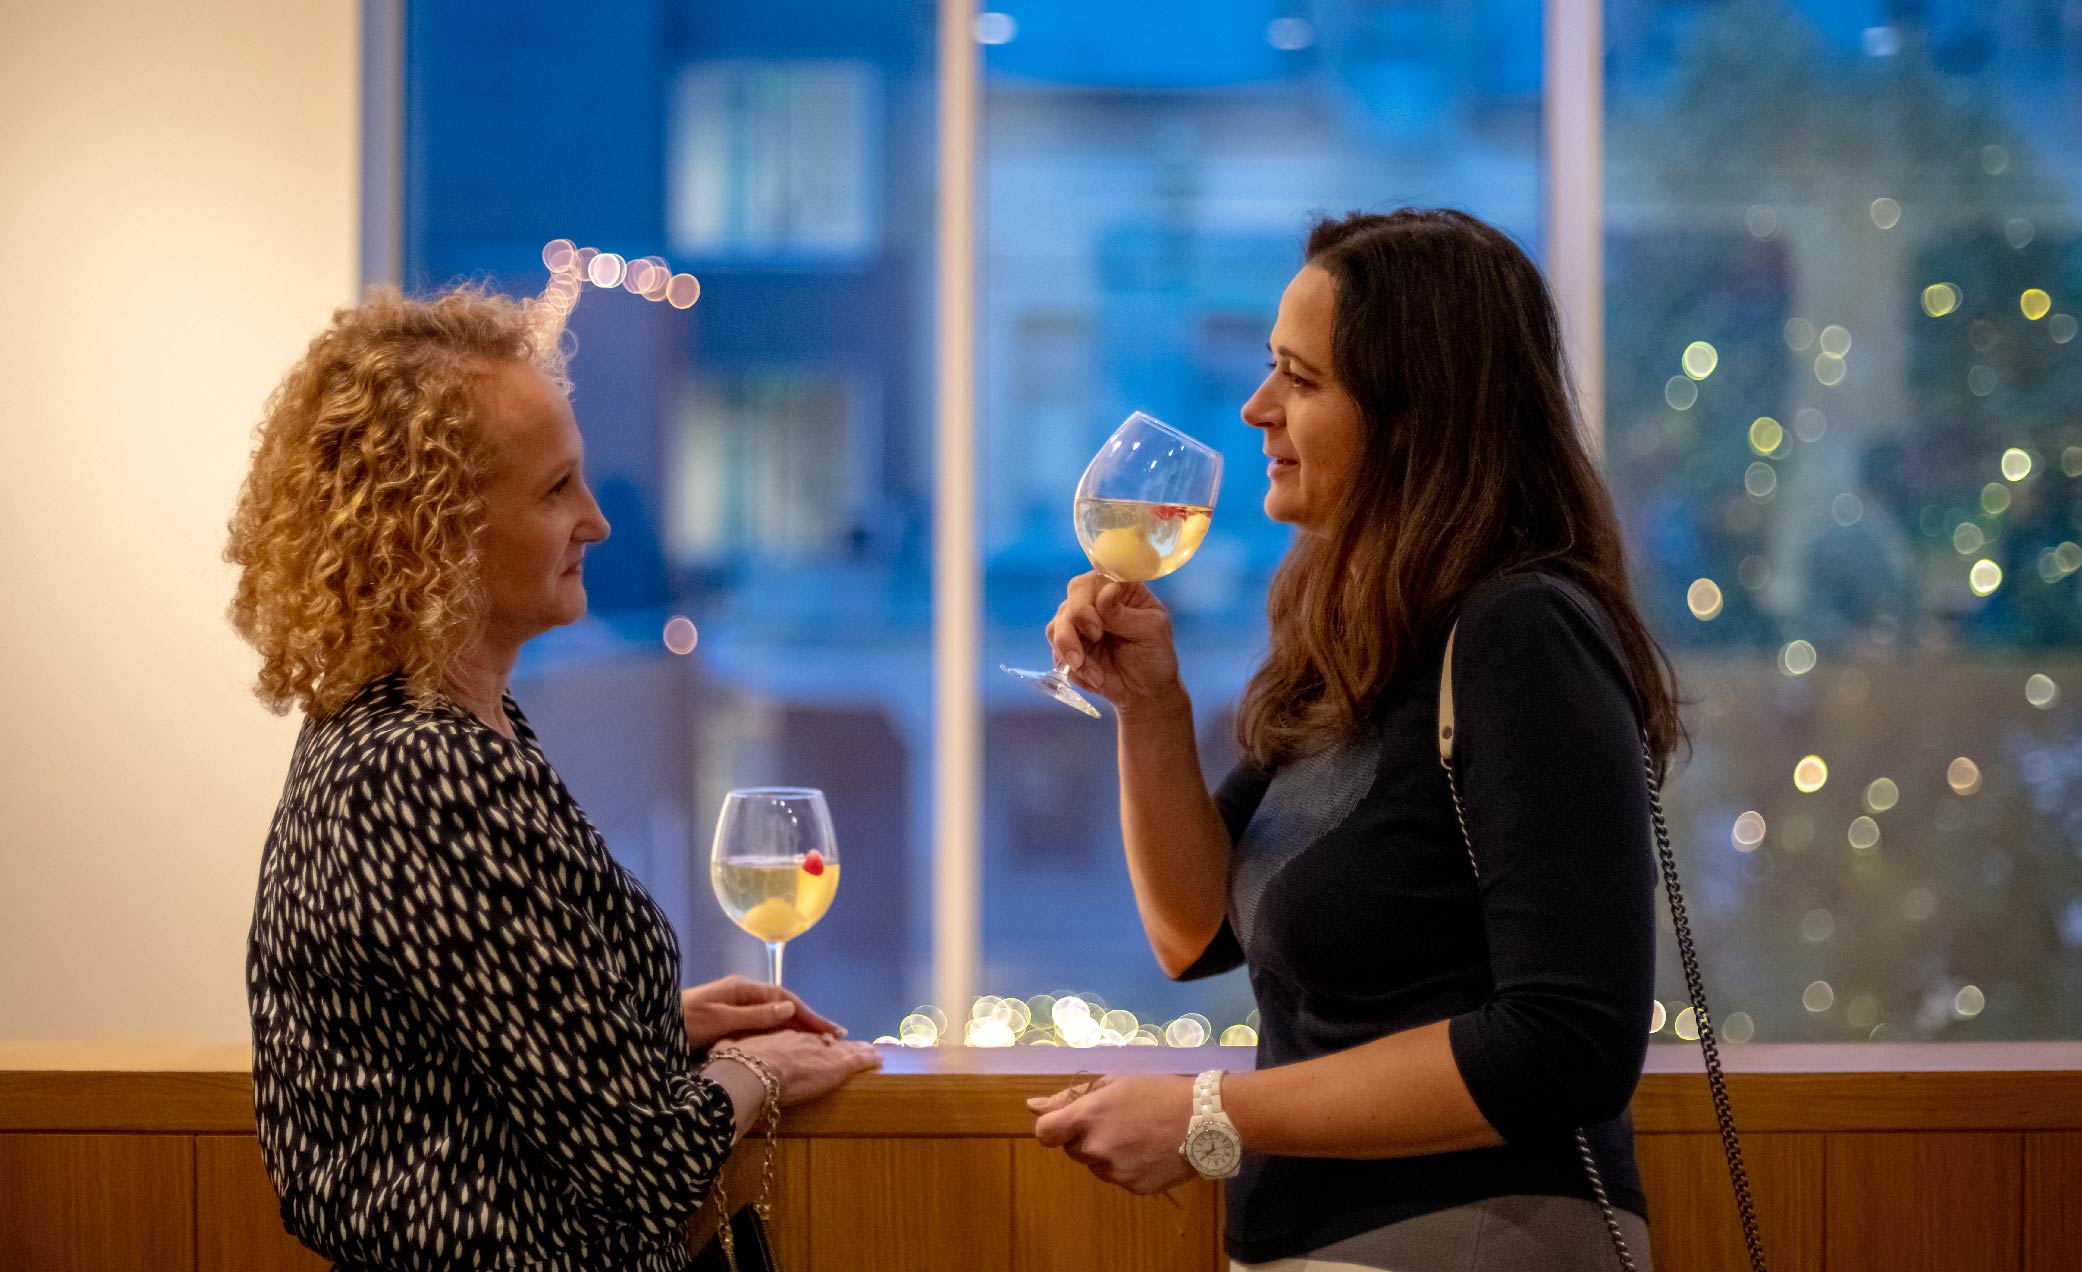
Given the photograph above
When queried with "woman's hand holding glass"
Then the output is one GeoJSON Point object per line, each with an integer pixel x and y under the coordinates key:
{"type": "Point", "coordinates": [1115, 639]}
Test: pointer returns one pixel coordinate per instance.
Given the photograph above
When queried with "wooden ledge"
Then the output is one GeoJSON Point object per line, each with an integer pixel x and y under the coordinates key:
{"type": "Point", "coordinates": [959, 1091]}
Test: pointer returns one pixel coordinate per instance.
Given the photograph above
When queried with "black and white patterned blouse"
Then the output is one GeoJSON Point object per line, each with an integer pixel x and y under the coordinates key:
{"type": "Point", "coordinates": [467, 1043]}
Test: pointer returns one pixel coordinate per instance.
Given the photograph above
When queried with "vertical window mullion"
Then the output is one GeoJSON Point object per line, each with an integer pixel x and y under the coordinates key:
{"type": "Point", "coordinates": [957, 595]}
{"type": "Point", "coordinates": [1572, 174]}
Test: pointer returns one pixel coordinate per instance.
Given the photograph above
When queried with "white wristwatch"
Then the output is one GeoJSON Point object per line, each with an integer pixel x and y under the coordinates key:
{"type": "Point", "coordinates": [1212, 1145]}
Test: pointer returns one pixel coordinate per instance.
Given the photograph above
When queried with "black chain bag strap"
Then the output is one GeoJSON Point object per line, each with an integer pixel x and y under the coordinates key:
{"type": "Point", "coordinates": [1667, 864]}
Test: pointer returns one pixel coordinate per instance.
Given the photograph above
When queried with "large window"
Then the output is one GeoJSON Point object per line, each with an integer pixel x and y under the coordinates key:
{"type": "Point", "coordinates": [765, 456]}
{"type": "Point", "coordinates": [1844, 424]}
{"type": "Point", "coordinates": [1148, 174]}
{"type": "Point", "coordinates": [1842, 417]}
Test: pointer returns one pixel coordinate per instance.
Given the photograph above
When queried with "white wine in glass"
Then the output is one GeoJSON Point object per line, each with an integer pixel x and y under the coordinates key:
{"type": "Point", "coordinates": [775, 864]}
{"type": "Point", "coordinates": [1142, 510]}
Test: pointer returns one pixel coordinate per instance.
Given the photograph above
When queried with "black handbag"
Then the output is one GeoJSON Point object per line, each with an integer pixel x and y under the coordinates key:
{"type": "Point", "coordinates": [1666, 863]}
{"type": "Point", "coordinates": [747, 1248]}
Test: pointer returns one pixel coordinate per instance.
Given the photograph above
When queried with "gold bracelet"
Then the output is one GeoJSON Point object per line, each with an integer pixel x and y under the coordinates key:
{"type": "Point", "coordinates": [770, 1114]}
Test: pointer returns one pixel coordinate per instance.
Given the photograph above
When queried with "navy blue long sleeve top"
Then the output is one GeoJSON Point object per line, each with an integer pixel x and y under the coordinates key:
{"type": "Point", "coordinates": [1354, 906]}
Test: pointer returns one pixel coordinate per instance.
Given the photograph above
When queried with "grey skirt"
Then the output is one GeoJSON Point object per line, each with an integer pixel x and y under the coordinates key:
{"type": "Point", "coordinates": [1499, 1234]}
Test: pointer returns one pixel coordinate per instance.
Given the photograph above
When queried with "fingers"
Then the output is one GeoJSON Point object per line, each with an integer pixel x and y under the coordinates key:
{"type": "Point", "coordinates": [757, 1018]}
{"type": "Point", "coordinates": [1050, 1103]}
{"type": "Point", "coordinates": [1077, 624]}
{"type": "Point", "coordinates": [1059, 1129]}
{"type": "Point", "coordinates": [808, 1019]}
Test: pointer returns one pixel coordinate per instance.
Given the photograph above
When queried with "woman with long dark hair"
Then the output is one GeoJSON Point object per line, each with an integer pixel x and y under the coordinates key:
{"type": "Point", "coordinates": [1454, 1012]}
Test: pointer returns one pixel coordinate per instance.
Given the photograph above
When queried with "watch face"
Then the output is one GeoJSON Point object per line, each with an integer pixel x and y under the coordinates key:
{"type": "Point", "coordinates": [1212, 1150]}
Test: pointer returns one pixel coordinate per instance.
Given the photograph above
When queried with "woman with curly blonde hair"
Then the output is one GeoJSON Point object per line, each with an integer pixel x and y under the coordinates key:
{"type": "Point", "coordinates": [469, 1048]}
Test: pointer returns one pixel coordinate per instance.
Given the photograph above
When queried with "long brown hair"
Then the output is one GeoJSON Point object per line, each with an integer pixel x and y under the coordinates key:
{"type": "Point", "coordinates": [1474, 465]}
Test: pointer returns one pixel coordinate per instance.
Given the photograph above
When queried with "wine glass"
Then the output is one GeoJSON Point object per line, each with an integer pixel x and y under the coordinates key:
{"type": "Point", "coordinates": [1142, 509]}
{"type": "Point", "coordinates": [775, 864]}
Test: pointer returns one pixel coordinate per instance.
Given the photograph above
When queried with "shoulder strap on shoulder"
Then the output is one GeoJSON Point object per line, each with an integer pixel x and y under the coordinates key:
{"type": "Point", "coordinates": [1446, 699]}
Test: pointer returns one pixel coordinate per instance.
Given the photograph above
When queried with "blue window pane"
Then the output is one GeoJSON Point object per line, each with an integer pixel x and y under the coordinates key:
{"type": "Point", "coordinates": [1148, 173]}
{"type": "Point", "coordinates": [1856, 521]}
{"type": "Point", "coordinates": [764, 457]}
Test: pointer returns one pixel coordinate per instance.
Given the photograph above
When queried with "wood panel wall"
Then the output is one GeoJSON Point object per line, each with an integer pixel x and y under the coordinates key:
{"type": "Point", "coordinates": [1853, 1172]}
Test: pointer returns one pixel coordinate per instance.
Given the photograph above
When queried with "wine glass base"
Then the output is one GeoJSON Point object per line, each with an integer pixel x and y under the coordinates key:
{"type": "Point", "coordinates": [1054, 686]}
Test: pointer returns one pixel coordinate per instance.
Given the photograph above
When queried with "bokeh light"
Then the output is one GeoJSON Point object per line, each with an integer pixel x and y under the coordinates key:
{"type": "Point", "coordinates": [2016, 463]}
{"type": "Point", "coordinates": [2040, 691]}
{"type": "Point", "coordinates": [1797, 658]}
{"type": "Point", "coordinates": [1818, 997]}
{"type": "Point", "coordinates": [605, 270]}
{"type": "Point", "coordinates": [1963, 776]}
{"type": "Point", "coordinates": [1882, 794]}
{"type": "Point", "coordinates": [1704, 599]}
{"type": "Point", "coordinates": [2035, 303]}
{"type": "Point", "coordinates": [1886, 213]}
{"type": "Point", "coordinates": [995, 28]}
{"type": "Point", "coordinates": [1189, 1030]}
{"type": "Point", "coordinates": [681, 635]}
{"type": "Point", "coordinates": [1700, 359]}
{"type": "Point", "coordinates": [1680, 392]}
{"type": "Point", "coordinates": [1766, 435]}
{"type": "Point", "coordinates": [1810, 775]}
{"type": "Point", "coordinates": [1748, 831]}
{"type": "Point", "coordinates": [1985, 577]}
{"type": "Point", "coordinates": [683, 291]}
{"type": "Point", "coordinates": [1864, 835]}
{"type": "Point", "coordinates": [1940, 299]}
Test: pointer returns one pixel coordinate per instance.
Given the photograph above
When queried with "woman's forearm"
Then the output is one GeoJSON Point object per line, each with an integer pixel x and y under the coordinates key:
{"type": "Point", "coordinates": [747, 1093]}
{"type": "Point", "coordinates": [1399, 1096]}
{"type": "Point", "coordinates": [1178, 849]}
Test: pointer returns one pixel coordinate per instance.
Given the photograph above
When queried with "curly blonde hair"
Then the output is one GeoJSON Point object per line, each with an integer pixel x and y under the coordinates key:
{"type": "Point", "coordinates": [358, 527]}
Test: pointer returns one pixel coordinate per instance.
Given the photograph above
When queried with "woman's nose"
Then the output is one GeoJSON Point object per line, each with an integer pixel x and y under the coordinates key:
{"type": "Point", "coordinates": [1260, 411]}
{"type": "Point", "coordinates": [594, 528]}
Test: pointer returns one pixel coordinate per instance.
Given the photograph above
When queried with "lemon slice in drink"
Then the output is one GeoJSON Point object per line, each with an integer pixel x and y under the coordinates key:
{"type": "Point", "coordinates": [773, 919]}
{"type": "Point", "coordinates": [1121, 553]}
{"type": "Point", "coordinates": [813, 893]}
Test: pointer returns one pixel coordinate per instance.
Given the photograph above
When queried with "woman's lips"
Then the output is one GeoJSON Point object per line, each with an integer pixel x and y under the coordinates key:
{"type": "Point", "coordinates": [1278, 466]}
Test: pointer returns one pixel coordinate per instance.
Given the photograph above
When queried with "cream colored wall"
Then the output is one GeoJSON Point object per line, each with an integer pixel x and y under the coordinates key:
{"type": "Point", "coordinates": [178, 187]}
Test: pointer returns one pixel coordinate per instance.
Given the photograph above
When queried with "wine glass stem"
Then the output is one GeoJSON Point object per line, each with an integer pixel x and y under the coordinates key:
{"type": "Point", "coordinates": [773, 962]}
